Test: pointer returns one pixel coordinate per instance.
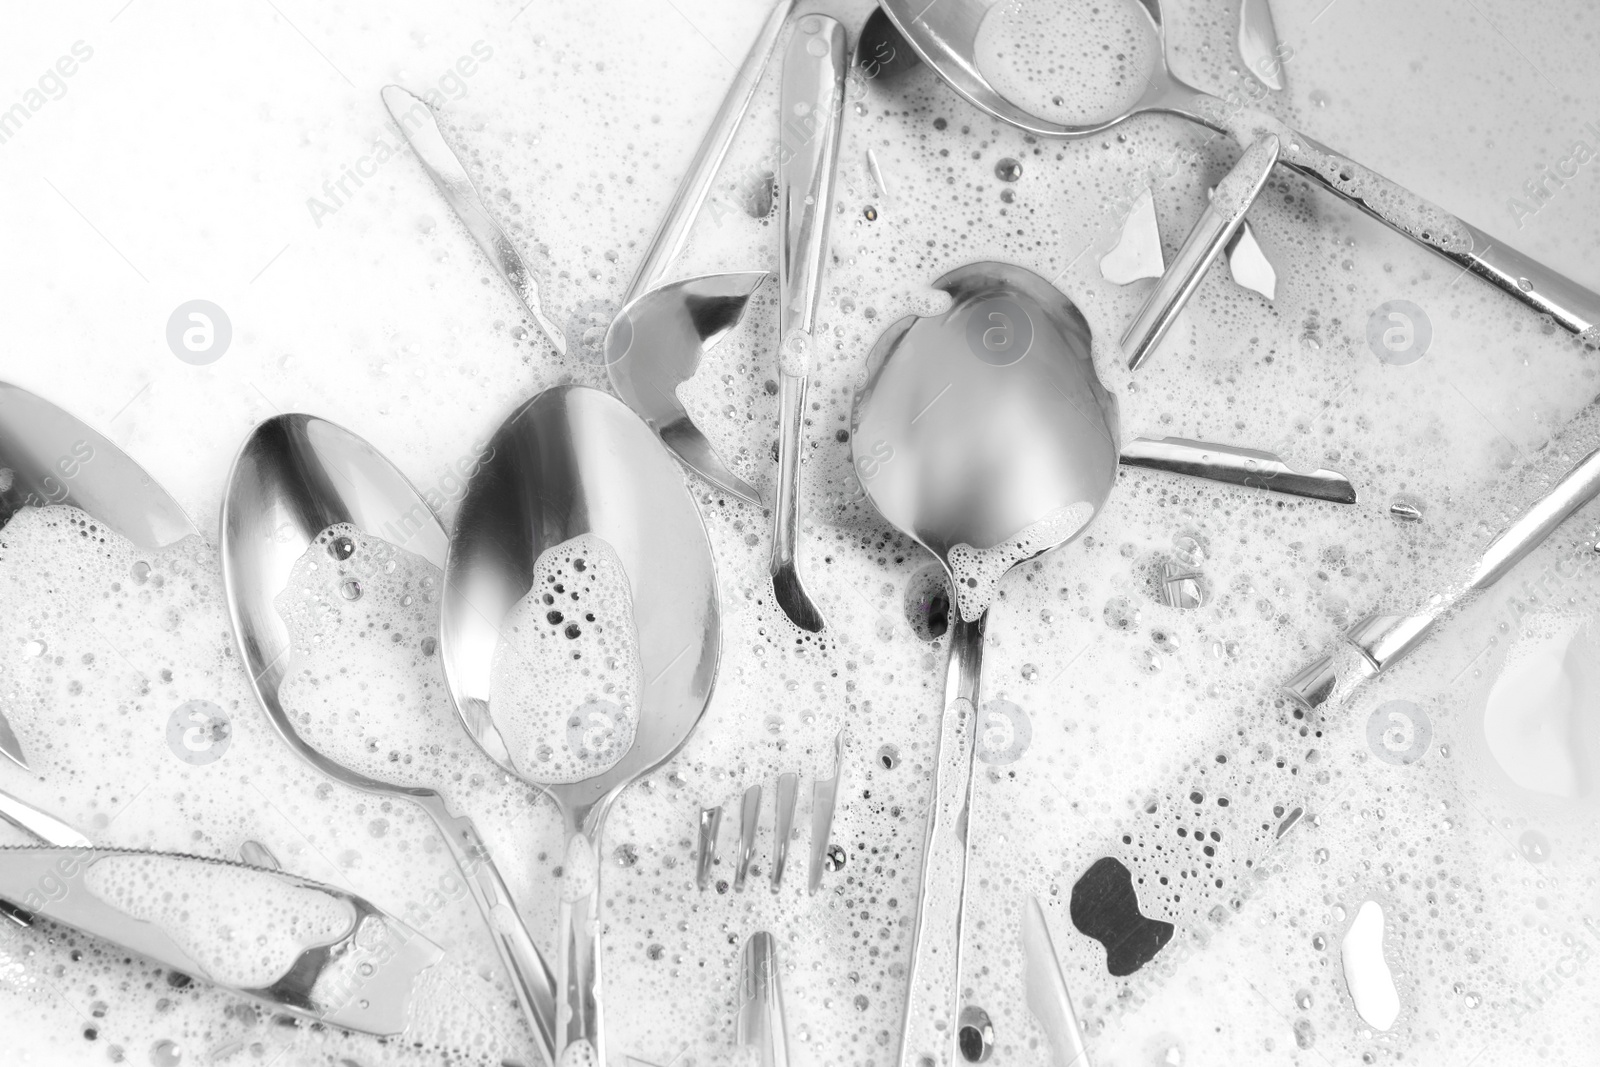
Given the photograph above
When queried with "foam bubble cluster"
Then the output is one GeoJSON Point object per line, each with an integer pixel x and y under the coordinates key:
{"type": "Point", "coordinates": [978, 571]}
{"type": "Point", "coordinates": [566, 681]}
{"type": "Point", "coordinates": [1076, 62]}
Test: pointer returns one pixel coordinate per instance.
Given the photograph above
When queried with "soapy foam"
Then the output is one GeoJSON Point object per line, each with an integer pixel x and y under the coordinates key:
{"type": "Point", "coordinates": [978, 571]}
{"type": "Point", "coordinates": [242, 925]}
{"type": "Point", "coordinates": [1123, 714]}
{"type": "Point", "coordinates": [1076, 62]}
{"type": "Point", "coordinates": [566, 678]}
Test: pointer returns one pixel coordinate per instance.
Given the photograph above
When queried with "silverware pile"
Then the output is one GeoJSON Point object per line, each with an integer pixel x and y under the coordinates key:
{"type": "Point", "coordinates": [1041, 445]}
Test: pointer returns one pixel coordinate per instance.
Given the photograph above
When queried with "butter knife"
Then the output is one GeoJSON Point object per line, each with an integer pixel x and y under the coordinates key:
{"type": "Point", "coordinates": [416, 122]}
{"type": "Point", "coordinates": [361, 976]}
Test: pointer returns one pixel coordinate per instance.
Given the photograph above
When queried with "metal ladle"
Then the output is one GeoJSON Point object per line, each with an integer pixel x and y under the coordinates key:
{"type": "Point", "coordinates": [975, 428]}
{"type": "Point", "coordinates": [945, 36]}
{"type": "Point", "coordinates": [569, 462]}
{"type": "Point", "coordinates": [295, 476]}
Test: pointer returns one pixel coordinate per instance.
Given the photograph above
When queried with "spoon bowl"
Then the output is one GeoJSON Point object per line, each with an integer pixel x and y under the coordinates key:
{"type": "Point", "coordinates": [573, 462]}
{"type": "Point", "coordinates": [984, 434]}
{"type": "Point", "coordinates": [295, 476]}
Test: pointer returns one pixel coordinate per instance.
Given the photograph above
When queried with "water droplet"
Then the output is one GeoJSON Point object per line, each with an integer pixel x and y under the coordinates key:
{"type": "Point", "coordinates": [166, 1054]}
{"type": "Point", "coordinates": [888, 757]}
{"type": "Point", "coordinates": [655, 952]}
{"type": "Point", "coordinates": [141, 572]}
{"type": "Point", "coordinates": [34, 649]}
{"type": "Point", "coordinates": [626, 855]}
{"type": "Point", "coordinates": [1534, 845]}
{"type": "Point", "coordinates": [1008, 170]}
{"type": "Point", "coordinates": [350, 589]}
{"type": "Point", "coordinates": [835, 859]}
{"type": "Point", "coordinates": [1302, 1000]}
{"type": "Point", "coordinates": [341, 548]}
{"type": "Point", "coordinates": [871, 213]}
{"type": "Point", "coordinates": [1029, 672]}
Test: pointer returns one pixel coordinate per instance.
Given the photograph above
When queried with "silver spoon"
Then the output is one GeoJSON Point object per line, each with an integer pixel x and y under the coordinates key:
{"type": "Point", "coordinates": [983, 434]}
{"type": "Point", "coordinates": [945, 35]}
{"type": "Point", "coordinates": [575, 461]}
{"type": "Point", "coordinates": [47, 457]}
{"type": "Point", "coordinates": [810, 107]}
{"type": "Point", "coordinates": [295, 476]}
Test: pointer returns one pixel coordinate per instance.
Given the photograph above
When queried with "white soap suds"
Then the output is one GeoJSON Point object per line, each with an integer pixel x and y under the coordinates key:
{"type": "Point", "coordinates": [1076, 62]}
{"type": "Point", "coordinates": [977, 571]}
{"type": "Point", "coordinates": [566, 679]}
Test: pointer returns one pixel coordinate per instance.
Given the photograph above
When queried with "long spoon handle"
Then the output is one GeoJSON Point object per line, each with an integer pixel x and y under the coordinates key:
{"type": "Point", "coordinates": [1546, 291]}
{"type": "Point", "coordinates": [580, 1027]}
{"type": "Point", "coordinates": [928, 1033]}
{"type": "Point", "coordinates": [534, 985]}
{"type": "Point", "coordinates": [810, 107]}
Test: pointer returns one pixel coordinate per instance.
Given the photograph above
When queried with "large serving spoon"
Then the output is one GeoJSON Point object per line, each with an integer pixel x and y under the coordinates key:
{"type": "Point", "coordinates": [571, 462]}
{"type": "Point", "coordinates": [810, 109]}
{"type": "Point", "coordinates": [945, 35]}
{"type": "Point", "coordinates": [295, 476]}
{"type": "Point", "coordinates": [984, 434]}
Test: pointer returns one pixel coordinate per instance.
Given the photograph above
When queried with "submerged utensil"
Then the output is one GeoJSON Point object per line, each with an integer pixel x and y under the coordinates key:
{"type": "Point", "coordinates": [1258, 44]}
{"type": "Point", "coordinates": [945, 35]}
{"type": "Point", "coordinates": [749, 823]}
{"type": "Point", "coordinates": [573, 462]}
{"type": "Point", "coordinates": [654, 345]}
{"type": "Point", "coordinates": [1379, 641]}
{"type": "Point", "coordinates": [824, 796]}
{"type": "Point", "coordinates": [685, 318]}
{"type": "Point", "coordinates": [362, 974]}
{"type": "Point", "coordinates": [49, 457]}
{"type": "Point", "coordinates": [294, 476]}
{"type": "Point", "coordinates": [1249, 467]}
{"type": "Point", "coordinates": [418, 124]}
{"type": "Point", "coordinates": [1214, 229]}
{"type": "Point", "coordinates": [783, 803]}
{"type": "Point", "coordinates": [984, 434]}
{"type": "Point", "coordinates": [760, 1014]}
{"type": "Point", "coordinates": [810, 108]}
{"type": "Point", "coordinates": [1045, 988]}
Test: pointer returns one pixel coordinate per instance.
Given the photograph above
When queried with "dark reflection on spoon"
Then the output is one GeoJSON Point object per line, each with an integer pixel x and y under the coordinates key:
{"type": "Point", "coordinates": [1106, 908]}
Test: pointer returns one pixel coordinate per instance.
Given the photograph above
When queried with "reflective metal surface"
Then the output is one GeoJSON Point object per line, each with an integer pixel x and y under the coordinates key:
{"type": "Point", "coordinates": [760, 1019]}
{"type": "Point", "coordinates": [575, 461]}
{"type": "Point", "coordinates": [49, 457]}
{"type": "Point", "coordinates": [654, 345]}
{"type": "Point", "coordinates": [810, 107]}
{"type": "Point", "coordinates": [975, 425]}
{"type": "Point", "coordinates": [295, 476]}
{"type": "Point", "coordinates": [1212, 231]}
{"type": "Point", "coordinates": [1258, 43]}
{"type": "Point", "coordinates": [417, 123]}
{"type": "Point", "coordinates": [1383, 640]}
{"type": "Point", "coordinates": [1249, 467]}
{"type": "Point", "coordinates": [944, 34]}
{"type": "Point", "coordinates": [365, 979]}
{"type": "Point", "coordinates": [677, 322]}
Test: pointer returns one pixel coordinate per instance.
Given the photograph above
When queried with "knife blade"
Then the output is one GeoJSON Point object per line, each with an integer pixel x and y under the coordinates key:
{"type": "Point", "coordinates": [419, 126]}
{"type": "Point", "coordinates": [360, 971]}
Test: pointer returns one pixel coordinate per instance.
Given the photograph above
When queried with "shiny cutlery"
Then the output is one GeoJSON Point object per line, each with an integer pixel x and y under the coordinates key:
{"type": "Point", "coordinates": [420, 127]}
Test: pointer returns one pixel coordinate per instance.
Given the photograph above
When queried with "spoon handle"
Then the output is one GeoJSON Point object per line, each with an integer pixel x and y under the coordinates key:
{"type": "Point", "coordinates": [1546, 291]}
{"type": "Point", "coordinates": [928, 1034]}
{"type": "Point", "coordinates": [811, 109]}
{"type": "Point", "coordinates": [534, 985]}
{"type": "Point", "coordinates": [579, 1022]}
